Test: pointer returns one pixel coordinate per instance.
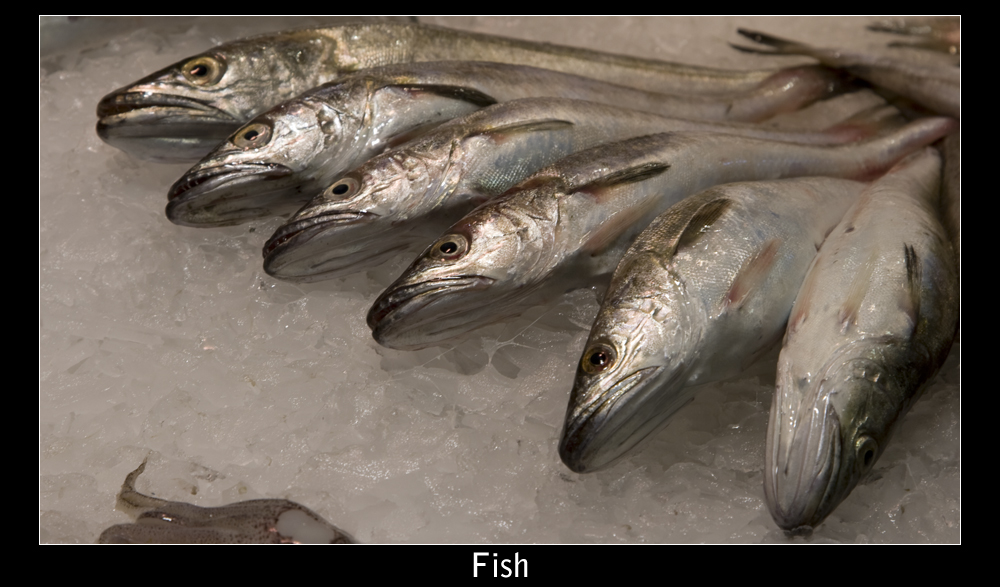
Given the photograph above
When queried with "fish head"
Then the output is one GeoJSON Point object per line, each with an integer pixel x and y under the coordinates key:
{"type": "Point", "coordinates": [270, 166]}
{"type": "Point", "coordinates": [360, 219]}
{"type": "Point", "coordinates": [179, 113]}
{"type": "Point", "coordinates": [477, 273]}
{"type": "Point", "coordinates": [634, 367]}
{"type": "Point", "coordinates": [825, 433]}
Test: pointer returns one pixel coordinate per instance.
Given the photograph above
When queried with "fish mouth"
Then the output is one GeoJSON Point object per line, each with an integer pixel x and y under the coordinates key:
{"type": "Point", "coordinates": [212, 196]}
{"type": "Point", "coordinates": [802, 467]}
{"type": "Point", "coordinates": [302, 231]}
{"type": "Point", "coordinates": [325, 245]}
{"type": "Point", "coordinates": [151, 107]}
{"type": "Point", "coordinates": [162, 127]}
{"type": "Point", "coordinates": [597, 433]}
{"type": "Point", "coordinates": [390, 309]}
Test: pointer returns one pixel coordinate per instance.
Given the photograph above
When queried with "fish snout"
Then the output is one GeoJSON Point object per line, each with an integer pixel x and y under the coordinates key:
{"type": "Point", "coordinates": [230, 194]}
{"type": "Point", "coordinates": [328, 245]}
{"type": "Point", "coordinates": [161, 127]}
{"type": "Point", "coordinates": [802, 465]}
{"type": "Point", "coordinates": [415, 316]}
{"type": "Point", "coordinates": [609, 417]}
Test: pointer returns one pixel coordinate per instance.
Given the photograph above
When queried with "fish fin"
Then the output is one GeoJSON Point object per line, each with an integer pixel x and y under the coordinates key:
{"type": "Point", "coordinates": [751, 275]}
{"type": "Point", "coordinates": [611, 230]}
{"type": "Point", "coordinates": [409, 135]}
{"type": "Point", "coordinates": [754, 50]}
{"type": "Point", "coordinates": [911, 300]}
{"type": "Point", "coordinates": [848, 314]}
{"type": "Point", "coordinates": [800, 308]}
{"type": "Point", "coordinates": [470, 95]}
{"type": "Point", "coordinates": [700, 222]}
{"type": "Point", "coordinates": [500, 132]}
{"type": "Point", "coordinates": [780, 45]}
{"type": "Point", "coordinates": [620, 177]}
{"type": "Point", "coordinates": [869, 122]}
{"type": "Point", "coordinates": [132, 502]}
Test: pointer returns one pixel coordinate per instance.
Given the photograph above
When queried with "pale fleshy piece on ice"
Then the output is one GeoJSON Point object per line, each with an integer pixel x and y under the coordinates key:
{"type": "Point", "coordinates": [257, 521]}
{"type": "Point", "coordinates": [872, 324]}
{"type": "Point", "coordinates": [700, 294]}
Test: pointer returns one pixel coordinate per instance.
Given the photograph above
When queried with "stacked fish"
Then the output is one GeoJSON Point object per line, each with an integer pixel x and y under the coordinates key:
{"type": "Point", "coordinates": [527, 180]}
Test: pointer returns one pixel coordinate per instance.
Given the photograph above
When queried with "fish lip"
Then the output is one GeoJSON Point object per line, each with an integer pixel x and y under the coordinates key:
{"type": "Point", "coordinates": [579, 432]}
{"type": "Point", "coordinates": [417, 296]}
{"type": "Point", "coordinates": [157, 106]}
{"type": "Point", "coordinates": [301, 231]}
{"type": "Point", "coordinates": [197, 182]}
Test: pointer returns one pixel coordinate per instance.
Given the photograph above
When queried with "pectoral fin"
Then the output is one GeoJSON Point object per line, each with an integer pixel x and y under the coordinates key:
{"type": "Point", "coordinates": [848, 315]}
{"type": "Point", "coordinates": [500, 133]}
{"type": "Point", "coordinates": [598, 187]}
{"type": "Point", "coordinates": [470, 95]}
{"type": "Point", "coordinates": [751, 275]}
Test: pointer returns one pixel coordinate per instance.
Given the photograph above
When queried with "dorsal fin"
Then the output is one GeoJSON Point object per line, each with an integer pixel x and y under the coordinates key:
{"type": "Point", "coordinates": [632, 174]}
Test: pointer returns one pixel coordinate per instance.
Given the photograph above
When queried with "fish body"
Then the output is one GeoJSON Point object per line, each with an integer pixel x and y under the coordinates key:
{"type": "Point", "coordinates": [570, 223]}
{"type": "Point", "coordinates": [700, 294]}
{"type": "Point", "coordinates": [181, 112]}
{"type": "Point", "coordinates": [405, 196]}
{"type": "Point", "coordinates": [872, 323]}
{"type": "Point", "coordinates": [934, 86]}
{"type": "Point", "coordinates": [284, 157]}
{"type": "Point", "coordinates": [257, 521]}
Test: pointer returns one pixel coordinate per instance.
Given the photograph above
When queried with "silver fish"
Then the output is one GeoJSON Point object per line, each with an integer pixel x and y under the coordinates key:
{"type": "Point", "coordinates": [571, 222]}
{"type": "Point", "coordinates": [285, 156]}
{"type": "Point", "coordinates": [407, 195]}
{"type": "Point", "coordinates": [934, 86]}
{"type": "Point", "coordinates": [182, 111]}
{"type": "Point", "coordinates": [700, 294]}
{"type": "Point", "coordinates": [872, 323]}
{"type": "Point", "coordinates": [257, 521]}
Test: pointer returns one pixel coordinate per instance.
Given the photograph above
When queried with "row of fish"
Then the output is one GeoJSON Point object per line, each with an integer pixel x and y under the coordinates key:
{"type": "Point", "coordinates": [695, 297]}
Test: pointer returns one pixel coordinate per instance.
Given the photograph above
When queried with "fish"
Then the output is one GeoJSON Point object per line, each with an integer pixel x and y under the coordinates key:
{"type": "Point", "coordinates": [569, 224]}
{"type": "Point", "coordinates": [284, 157]}
{"type": "Point", "coordinates": [930, 84]}
{"type": "Point", "coordinates": [256, 521]}
{"type": "Point", "coordinates": [938, 33]}
{"type": "Point", "coordinates": [703, 292]}
{"type": "Point", "coordinates": [405, 196]}
{"type": "Point", "coordinates": [871, 325]}
{"type": "Point", "coordinates": [181, 112]}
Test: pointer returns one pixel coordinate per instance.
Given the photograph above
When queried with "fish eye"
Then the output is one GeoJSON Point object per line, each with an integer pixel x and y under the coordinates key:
{"type": "Point", "coordinates": [597, 358]}
{"type": "Point", "coordinates": [345, 188]}
{"type": "Point", "coordinates": [204, 71]}
{"type": "Point", "coordinates": [450, 247]}
{"type": "Point", "coordinates": [252, 136]}
{"type": "Point", "coordinates": [865, 450]}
